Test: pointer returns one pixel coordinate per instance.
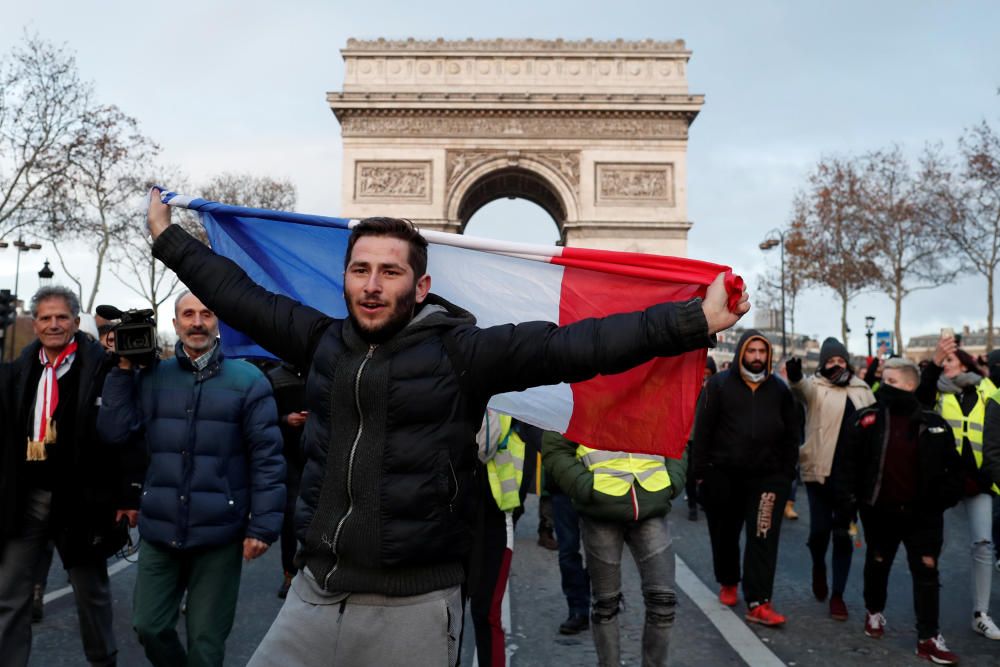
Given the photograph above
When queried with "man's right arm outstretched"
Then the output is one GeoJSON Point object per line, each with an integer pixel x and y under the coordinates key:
{"type": "Point", "coordinates": [277, 323]}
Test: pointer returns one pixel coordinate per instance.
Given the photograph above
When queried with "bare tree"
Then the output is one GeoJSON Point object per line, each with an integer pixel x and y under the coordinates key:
{"type": "Point", "coordinates": [252, 191]}
{"type": "Point", "coordinates": [834, 249]}
{"type": "Point", "coordinates": [95, 203]}
{"type": "Point", "coordinates": [898, 206]}
{"type": "Point", "coordinates": [42, 106]}
{"type": "Point", "coordinates": [971, 199]}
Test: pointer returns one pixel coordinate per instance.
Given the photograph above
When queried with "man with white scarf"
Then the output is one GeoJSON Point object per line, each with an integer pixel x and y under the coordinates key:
{"type": "Point", "coordinates": [59, 481]}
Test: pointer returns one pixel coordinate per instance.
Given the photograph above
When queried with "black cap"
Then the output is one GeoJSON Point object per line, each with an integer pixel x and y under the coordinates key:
{"type": "Point", "coordinates": [832, 348]}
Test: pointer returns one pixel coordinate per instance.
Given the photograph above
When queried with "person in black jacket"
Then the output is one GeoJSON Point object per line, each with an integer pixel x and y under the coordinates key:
{"type": "Point", "coordinates": [746, 445]}
{"type": "Point", "coordinates": [58, 480]}
{"type": "Point", "coordinates": [396, 394]}
{"type": "Point", "coordinates": [900, 469]}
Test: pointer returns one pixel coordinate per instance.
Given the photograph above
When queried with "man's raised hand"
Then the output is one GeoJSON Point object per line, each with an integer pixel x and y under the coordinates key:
{"type": "Point", "coordinates": [716, 306]}
{"type": "Point", "coordinates": [158, 216]}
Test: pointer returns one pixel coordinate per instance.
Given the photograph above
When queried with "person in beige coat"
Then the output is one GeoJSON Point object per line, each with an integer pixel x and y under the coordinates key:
{"type": "Point", "coordinates": [832, 396]}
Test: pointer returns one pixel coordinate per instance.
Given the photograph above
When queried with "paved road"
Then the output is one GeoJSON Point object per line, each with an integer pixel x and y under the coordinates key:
{"type": "Point", "coordinates": [537, 608]}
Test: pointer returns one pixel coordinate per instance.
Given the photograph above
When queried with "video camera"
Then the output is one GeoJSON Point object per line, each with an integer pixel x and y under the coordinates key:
{"type": "Point", "coordinates": [135, 333]}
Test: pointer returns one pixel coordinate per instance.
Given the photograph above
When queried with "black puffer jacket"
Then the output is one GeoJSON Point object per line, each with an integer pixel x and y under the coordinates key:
{"type": "Point", "coordinates": [389, 486]}
{"type": "Point", "coordinates": [860, 461]}
{"type": "Point", "coordinates": [90, 479]}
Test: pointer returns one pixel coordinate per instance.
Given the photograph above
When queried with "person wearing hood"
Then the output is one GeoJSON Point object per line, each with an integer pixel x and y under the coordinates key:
{"type": "Point", "coordinates": [746, 445]}
{"type": "Point", "coordinates": [396, 393]}
{"type": "Point", "coordinates": [831, 397]}
{"type": "Point", "coordinates": [899, 468]}
{"type": "Point", "coordinates": [953, 385]}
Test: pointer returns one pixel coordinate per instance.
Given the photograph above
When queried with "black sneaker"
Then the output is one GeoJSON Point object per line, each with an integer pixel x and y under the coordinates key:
{"type": "Point", "coordinates": [574, 625]}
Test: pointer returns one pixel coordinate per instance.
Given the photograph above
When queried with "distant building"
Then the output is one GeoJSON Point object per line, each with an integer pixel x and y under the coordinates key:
{"type": "Point", "coordinates": [973, 342]}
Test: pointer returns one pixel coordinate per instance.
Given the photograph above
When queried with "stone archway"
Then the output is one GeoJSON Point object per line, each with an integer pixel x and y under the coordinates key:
{"type": "Point", "coordinates": [593, 132]}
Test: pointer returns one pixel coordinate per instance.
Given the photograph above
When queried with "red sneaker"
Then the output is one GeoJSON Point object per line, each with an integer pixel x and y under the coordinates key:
{"type": "Point", "coordinates": [838, 610]}
{"type": "Point", "coordinates": [729, 596]}
{"type": "Point", "coordinates": [765, 615]}
{"type": "Point", "coordinates": [935, 650]}
{"type": "Point", "coordinates": [874, 624]}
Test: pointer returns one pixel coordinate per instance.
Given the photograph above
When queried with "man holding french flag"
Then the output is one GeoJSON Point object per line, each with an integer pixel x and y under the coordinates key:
{"type": "Point", "coordinates": [399, 379]}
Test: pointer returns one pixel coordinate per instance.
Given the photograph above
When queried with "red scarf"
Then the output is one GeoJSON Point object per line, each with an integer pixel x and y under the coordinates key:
{"type": "Point", "coordinates": [47, 400]}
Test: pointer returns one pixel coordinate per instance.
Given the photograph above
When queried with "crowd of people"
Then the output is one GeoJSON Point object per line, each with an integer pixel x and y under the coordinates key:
{"type": "Point", "coordinates": [369, 453]}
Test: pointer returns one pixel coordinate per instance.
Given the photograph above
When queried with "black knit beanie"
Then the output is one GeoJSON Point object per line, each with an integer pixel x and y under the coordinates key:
{"type": "Point", "coordinates": [832, 348]}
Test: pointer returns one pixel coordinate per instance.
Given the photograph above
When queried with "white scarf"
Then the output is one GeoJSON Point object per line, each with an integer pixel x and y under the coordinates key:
{"type": "Point", "coordinates": [43, 429]}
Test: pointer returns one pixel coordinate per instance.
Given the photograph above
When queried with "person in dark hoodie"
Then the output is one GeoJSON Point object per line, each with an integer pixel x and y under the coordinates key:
{"type": "Point", "coordinates": [831, 397]}
{"type": "Point", "coordinates": [746, 445]}
{"type": "Point", "coordinates": [900, 469]}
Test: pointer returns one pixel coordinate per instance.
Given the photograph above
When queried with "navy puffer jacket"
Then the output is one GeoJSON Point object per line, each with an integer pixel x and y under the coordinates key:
{"type": "Point", "coordinates": [216, 473]}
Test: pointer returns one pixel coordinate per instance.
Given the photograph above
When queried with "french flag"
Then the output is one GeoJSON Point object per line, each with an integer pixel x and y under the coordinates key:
{"type": "Point", "coordinates": [649, 409]}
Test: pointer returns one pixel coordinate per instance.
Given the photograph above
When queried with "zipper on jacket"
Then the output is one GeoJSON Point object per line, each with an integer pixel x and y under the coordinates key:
{"type": "Point", "coordinates": [350, 462]}
{"type": "Point", "coordinates": [454, 478]}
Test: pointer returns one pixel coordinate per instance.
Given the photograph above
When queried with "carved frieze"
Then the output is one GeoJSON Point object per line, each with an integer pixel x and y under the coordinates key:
{"type": "Point", "coordinates": [549, 127]}
{"type": "Point", "coordinates": [517, 45]}
{"type": "Point", "coordinates": [567, 163]}
{"type": "Point", "coordinates": [395, 181]}
{"type": "Point", "coordinates": [635, 184]}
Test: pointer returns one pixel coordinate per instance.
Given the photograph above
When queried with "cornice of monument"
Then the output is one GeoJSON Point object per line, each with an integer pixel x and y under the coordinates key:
{"type": "Point", "coordinates": [522, 46]}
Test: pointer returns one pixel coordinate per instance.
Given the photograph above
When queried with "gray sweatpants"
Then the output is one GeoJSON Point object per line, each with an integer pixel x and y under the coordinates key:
{"type": "Point", "coordinates": [315, 627]}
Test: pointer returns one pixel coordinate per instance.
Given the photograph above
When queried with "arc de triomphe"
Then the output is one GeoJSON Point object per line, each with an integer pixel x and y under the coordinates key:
{"type": "Point", "coordinates": [593, 132]}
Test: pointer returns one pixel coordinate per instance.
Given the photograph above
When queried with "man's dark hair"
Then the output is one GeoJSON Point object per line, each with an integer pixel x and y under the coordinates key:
{"type": "Point", "coordinates": [396, 228]}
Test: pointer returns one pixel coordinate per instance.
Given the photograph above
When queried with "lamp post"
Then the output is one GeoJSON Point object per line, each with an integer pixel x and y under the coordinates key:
{"type": "Point", "coordinates": [766, 245]}
{"type": "Point", "coordinates": [22, 248]}
{"type": "Point", "coordinates": [869, 325]}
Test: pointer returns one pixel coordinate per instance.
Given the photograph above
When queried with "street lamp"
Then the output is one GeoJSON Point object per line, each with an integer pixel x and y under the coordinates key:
{"type": "Point", "coordinates": [765, 245]}
{"type": "Point", "coordinates": [869, 325]}
{"type": "Point", "coordinates": [22, 247]}
{"type": "Point", "coordinates": [45, 275]}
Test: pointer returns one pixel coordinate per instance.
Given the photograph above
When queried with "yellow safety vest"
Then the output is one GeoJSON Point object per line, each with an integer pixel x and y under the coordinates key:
{"type": "Point", "coordinates": [506, 468]}
{"type": "Point", "coordinates": [971, 425]}
{"type": "Point", "coordinates": [614, 472]}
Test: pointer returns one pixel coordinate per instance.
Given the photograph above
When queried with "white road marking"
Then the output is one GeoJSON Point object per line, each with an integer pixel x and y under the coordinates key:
{"type": "Point", "coordinates": [66, 590]}
{"type": "Point", "coordinates": [734, 631]}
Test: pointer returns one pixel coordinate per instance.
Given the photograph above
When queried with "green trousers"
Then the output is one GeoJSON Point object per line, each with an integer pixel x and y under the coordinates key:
{"type": "Point", "coordinates": [211, 578]}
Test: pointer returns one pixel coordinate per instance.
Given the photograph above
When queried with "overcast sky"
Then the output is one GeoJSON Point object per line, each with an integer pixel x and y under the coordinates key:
{"type": "Point", "coordinates": [240, 86]}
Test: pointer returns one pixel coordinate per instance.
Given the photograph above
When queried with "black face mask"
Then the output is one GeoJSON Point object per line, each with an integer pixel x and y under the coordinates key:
{"type": "Point", "coordinates": [838, 375]}
{"type": "Point", "coordinates": [899, 401]}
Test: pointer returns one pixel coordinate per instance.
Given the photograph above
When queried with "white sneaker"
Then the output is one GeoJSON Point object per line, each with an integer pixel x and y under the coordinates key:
{"type": "Point", "coordinates": [984, 625]}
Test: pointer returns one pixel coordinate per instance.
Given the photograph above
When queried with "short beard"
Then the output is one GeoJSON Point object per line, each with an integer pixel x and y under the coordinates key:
{"type": "Point", "coordinates": [401, 315]}
{"type": "Point", "coordinates": [754, 366]}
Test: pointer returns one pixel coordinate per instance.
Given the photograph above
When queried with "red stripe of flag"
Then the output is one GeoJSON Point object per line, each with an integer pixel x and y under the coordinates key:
{"type": "Point", "coordinates": [650, 408]}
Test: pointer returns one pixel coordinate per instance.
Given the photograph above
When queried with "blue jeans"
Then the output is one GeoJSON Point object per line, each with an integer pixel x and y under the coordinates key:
{"type": "Point", "coordinates": [575, 580]}
{"type": "Point", "coordinates": [822, 526]}
{"type": "Point", "coordinates": [652, 550]}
